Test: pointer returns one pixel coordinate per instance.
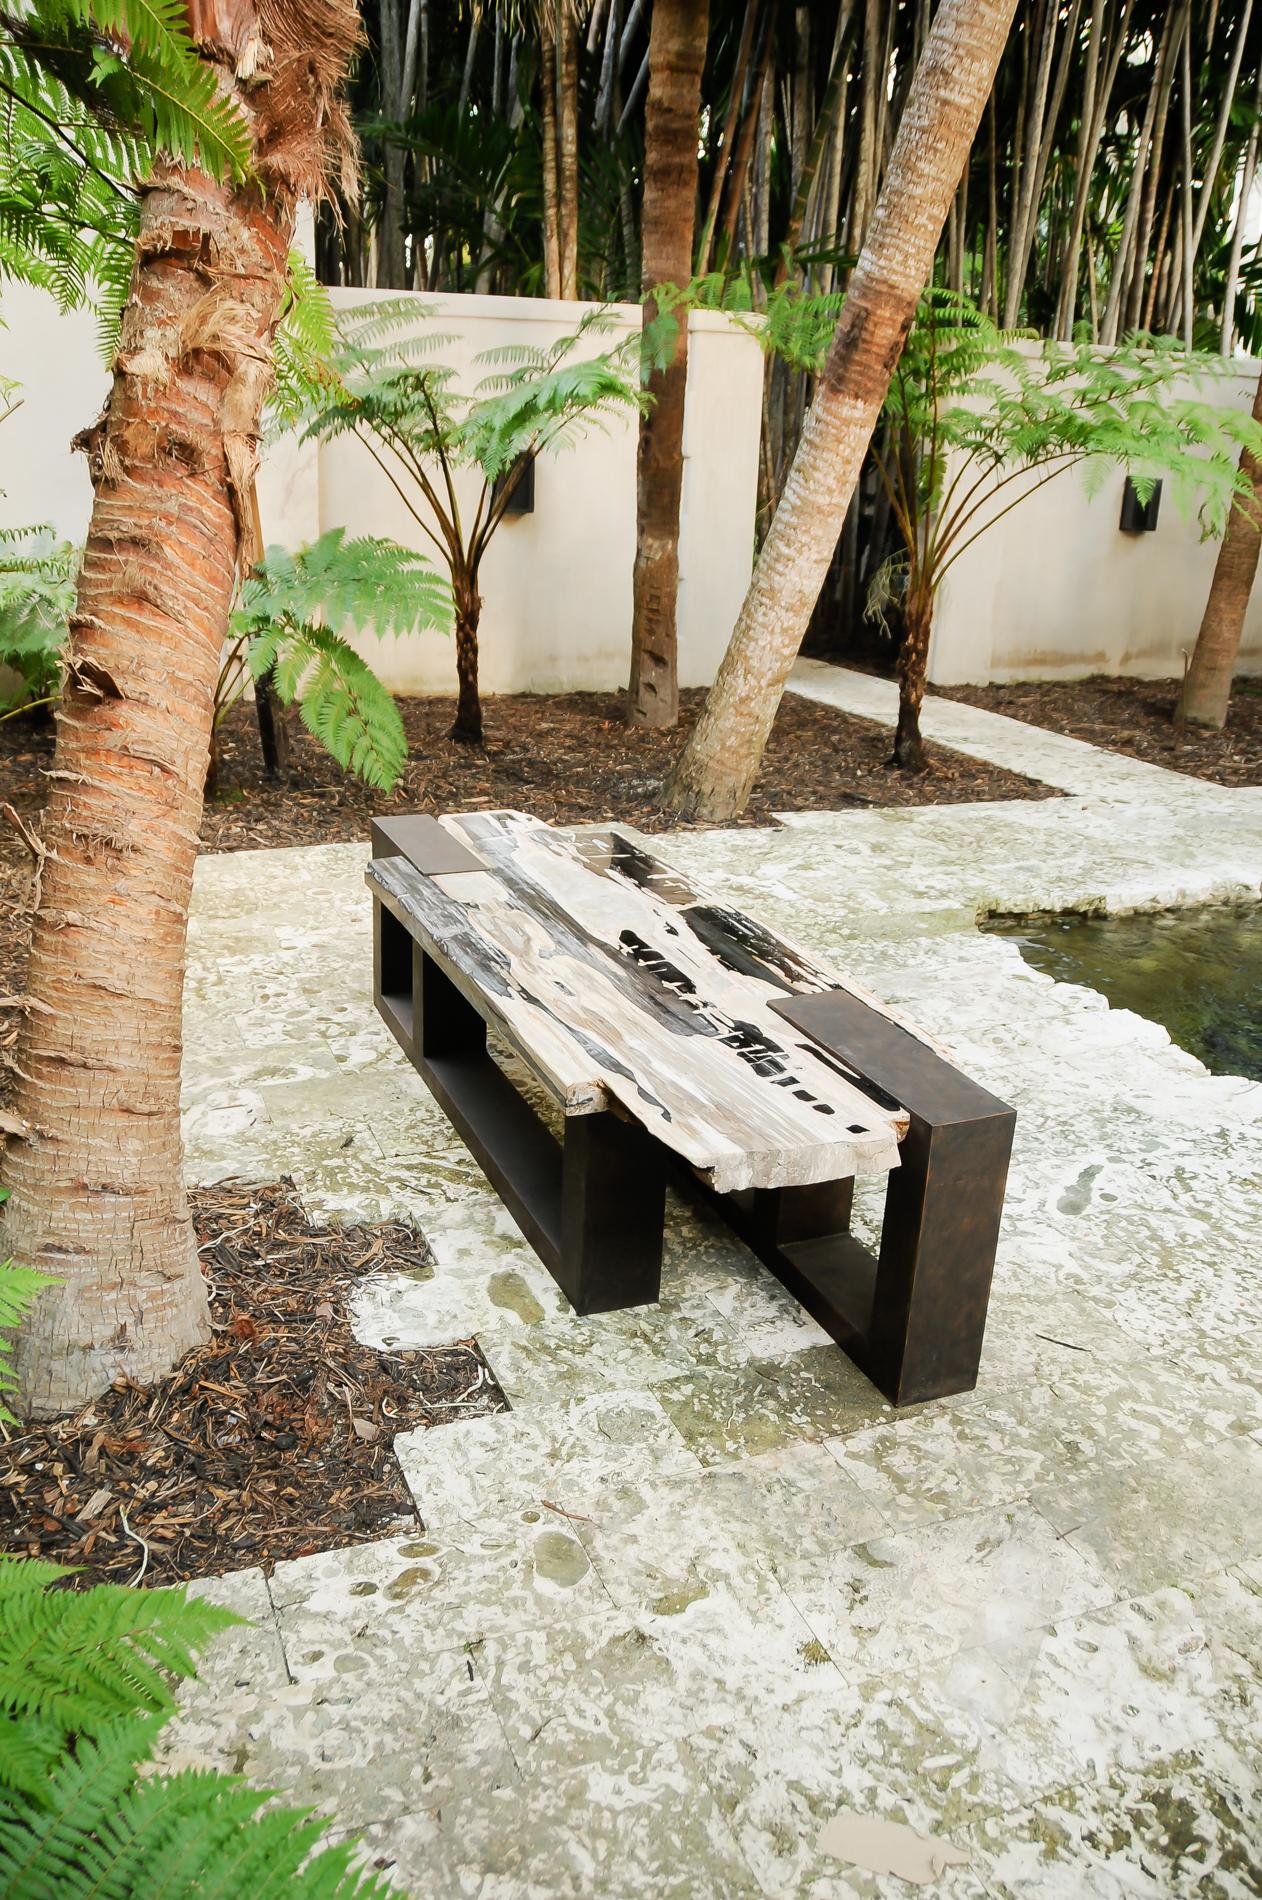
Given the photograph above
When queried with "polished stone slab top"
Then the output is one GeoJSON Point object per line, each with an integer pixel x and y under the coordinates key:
{"type": "Point", "coordinates": [620, 982]}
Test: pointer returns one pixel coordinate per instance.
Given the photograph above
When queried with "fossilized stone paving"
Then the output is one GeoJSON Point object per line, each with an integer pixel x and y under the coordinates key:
{"type": "Point", "coordinates": [701, 1588]}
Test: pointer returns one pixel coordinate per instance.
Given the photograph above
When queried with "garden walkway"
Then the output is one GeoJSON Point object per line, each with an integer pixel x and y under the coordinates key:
{"type": "Point", "coordinates": [700, 1589]}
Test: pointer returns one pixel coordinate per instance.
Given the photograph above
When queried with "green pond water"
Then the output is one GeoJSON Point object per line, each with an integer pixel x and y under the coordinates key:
{"type": "Point", "coordinates": [1198, 973]}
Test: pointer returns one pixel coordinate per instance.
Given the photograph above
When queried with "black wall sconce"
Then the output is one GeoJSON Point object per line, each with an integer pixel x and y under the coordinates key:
{"type": "Point", "coordinates": [1139, 517]}
{"type": "Point", "coordinates": [519, 477]}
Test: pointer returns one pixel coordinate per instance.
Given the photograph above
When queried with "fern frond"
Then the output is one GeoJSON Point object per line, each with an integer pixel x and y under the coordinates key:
{"type": "Point", "coordinates": [105, 1834]}
{"type": "Point", "coordinates": [345, 706]}
{"type": "Point", "coordinates": [86, 1658]}
{"type": "Point", "coordinates": [37, 589]}
{"type": "Point", "coordinates": [29, 1748]}
{"type": "Point", "coordinates": [19, 1289]}
{"type": "Point", "coordinates": [83, 1694]}
{"type": "Point", "coordinates": [376, 585]}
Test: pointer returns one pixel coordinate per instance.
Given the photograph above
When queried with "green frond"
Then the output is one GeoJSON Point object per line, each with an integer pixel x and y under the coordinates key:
{"type": "Point", "coordinates": [288, 613]}
{"type": "Point", "coordinates": [345, 706]}
{"type": "Point", "coordinates": [37, 589]}
{"type": "Point", "coordinates": [84, 1691]}
{"type": "Point", "coordinates": [105, 1833]}
{"type": "Point", "coordinates": [305, 343]}
{"type": "Point", "coordinates": [375, 584]}
{"type": "Point", "coordinates": [536, 400]}
{"type": "Point", "coordinates": [29, 1748]}
{"type": "Point", "coordinates": [84, 1659]}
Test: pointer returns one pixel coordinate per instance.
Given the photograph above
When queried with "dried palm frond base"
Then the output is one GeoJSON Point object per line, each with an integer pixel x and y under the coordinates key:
{"type": "Point", "coordinates": [273, 1441]}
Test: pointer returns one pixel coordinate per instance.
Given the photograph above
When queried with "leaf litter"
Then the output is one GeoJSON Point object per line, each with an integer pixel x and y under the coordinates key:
{"type": "Point", "coordinates": [273, 1441]}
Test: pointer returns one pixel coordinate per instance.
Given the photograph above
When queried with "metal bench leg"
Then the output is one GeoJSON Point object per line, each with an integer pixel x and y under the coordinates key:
{"type": "Point", "coordinates": [782, 1215]}
{"type": "Point", "coordinates": [613, 1192]}
{"type": "Point", "coordinates": [938, 1240]}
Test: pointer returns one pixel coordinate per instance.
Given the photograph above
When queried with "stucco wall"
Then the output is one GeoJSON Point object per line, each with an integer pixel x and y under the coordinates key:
{"type": "Point", "coordinates": [1053, 590]}
{"type": "Point", "coordinates": [1056, 590]}
{"type": "Point", "coordinates": [556, 584]}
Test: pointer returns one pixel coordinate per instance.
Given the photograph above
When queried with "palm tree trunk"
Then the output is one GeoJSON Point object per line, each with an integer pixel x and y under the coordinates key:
{"type": "Point", "coordinates": [1207, 688]}
{"type": "Point", "coordinates": [716, 772]}
{"type": "Point", "coordinates": [567, 154]}
{"type": "Point", "coordinates": [677, 49]}
{"type": "Point", "coordinates": [97, 1194]}
{"type": "Point", "coordinates": [551, 195]}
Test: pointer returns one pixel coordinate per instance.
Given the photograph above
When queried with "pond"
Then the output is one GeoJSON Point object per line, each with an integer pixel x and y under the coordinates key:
{"type": "Point", "coordinates": [1198, 973]}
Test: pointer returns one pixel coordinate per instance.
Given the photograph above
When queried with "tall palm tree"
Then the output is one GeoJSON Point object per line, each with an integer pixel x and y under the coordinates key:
{"type": "Point", "coordinates": [1207, 689]}
{"type": "Point", "coordinates": [677, 50]}
{"type": "Point", "coordinates": [716, 772]}
{"type": "Point", "coordinates": [97, 1195]}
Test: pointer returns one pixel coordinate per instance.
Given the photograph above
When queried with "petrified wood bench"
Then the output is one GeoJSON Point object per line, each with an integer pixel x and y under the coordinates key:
{"type": "Point", "coordinates": [674, 1032]}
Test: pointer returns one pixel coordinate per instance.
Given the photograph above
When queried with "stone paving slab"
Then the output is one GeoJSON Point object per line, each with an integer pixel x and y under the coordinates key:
{"type": "Point", "coordinates": [701, 1587]}
{"type": "Point", "coordinates": [1072, 765]}
{"type": "Point", "coordinates": [647, 1824]}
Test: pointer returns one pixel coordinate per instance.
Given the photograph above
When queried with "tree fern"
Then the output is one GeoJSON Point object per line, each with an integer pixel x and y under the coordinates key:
{"type": "Point", "coordinates": [382, 587]}
{"type": "Point", "coordinates": [345, 706]}
{"type": "Point", "coordinates": [421, 428]}
{"type": "Point", "coordinates": [384, 382]}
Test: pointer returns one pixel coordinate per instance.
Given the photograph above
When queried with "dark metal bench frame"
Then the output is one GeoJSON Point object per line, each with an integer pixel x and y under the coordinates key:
{"type": "Point", "coordinates": [592, 1206]}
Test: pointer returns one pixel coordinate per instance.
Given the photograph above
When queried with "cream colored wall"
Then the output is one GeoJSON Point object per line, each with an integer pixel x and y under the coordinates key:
{"type": "Point", "coordinates": [63, 386]}
{"type": "Point", "coordinates": [1056, 590]}
{"type": "Point", "coordinates": [556, 584]}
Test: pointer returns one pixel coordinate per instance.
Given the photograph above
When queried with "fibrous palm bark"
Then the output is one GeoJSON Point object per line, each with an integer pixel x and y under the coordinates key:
{"type": "Point", "coordinates": [97, 1194]}
{"type": "Point", "coordinates": [677, 49]}
{"type": "Point", "coordinates": [716, 772]}
{"type": "Point", "coordinates": [1207, 688]}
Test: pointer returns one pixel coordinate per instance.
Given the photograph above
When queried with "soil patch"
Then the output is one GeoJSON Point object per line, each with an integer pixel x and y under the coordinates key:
{"type": "Point", "coordinates": [1134, 716]}
{"type": "Point", "coordinates": [570, 758]}
{"type": "Point", "coordinates": [274, 1441]}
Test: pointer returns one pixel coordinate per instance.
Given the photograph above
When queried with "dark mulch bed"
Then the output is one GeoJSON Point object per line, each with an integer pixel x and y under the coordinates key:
{"type": "Point", "coordinates": [570, 758]}
{"type": "Point", "coordinates": [272, 1442]}
{"type": "Point", "coordinates": [1134, 716]}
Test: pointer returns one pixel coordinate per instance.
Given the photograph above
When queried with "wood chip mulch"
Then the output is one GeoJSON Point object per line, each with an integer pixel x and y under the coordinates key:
{"type": "Point", "coordinates": [274, 1441]}
{"type": "Point", "coordinates": [571, 758]}
{"type": "Point", "coordinates": [1135, 717]}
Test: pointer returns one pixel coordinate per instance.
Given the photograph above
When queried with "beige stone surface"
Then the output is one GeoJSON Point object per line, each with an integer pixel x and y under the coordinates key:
{"type": "Point", "coordinates": [701, 1589]}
